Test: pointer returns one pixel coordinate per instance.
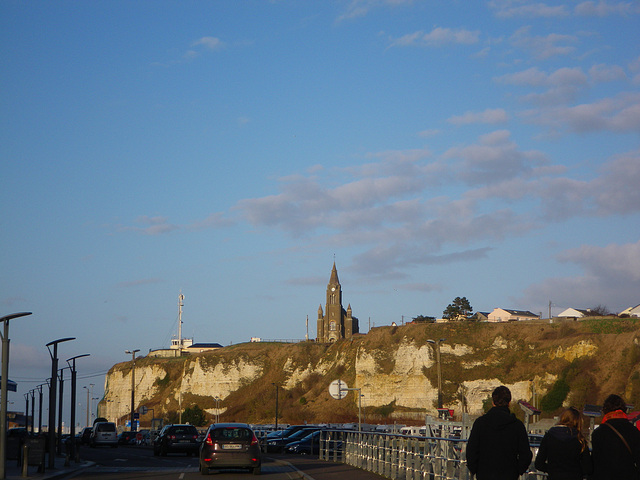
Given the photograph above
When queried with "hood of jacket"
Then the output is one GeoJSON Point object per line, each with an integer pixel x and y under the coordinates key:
{"type": "Point", "coordinates": [499, 418]}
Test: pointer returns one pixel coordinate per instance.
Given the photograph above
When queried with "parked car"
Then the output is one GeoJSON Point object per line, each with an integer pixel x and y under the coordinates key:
{"type": "Point", "coordinates": [126, 438]}
{"type": "Point", "coordinates": [278, 444]}
{"type": "Point", "coordinates": [230, 445]}
{"type": "Point", "coordinates": [85, 435]}
{"type": "Point", "coordinates": [103, 433]}
{"type": "Point", "coordinates": [176, 439]}
{"type": "Point", "coordinates": [308, 445]}
{"type": "Point", "coordinates": [286, 432]}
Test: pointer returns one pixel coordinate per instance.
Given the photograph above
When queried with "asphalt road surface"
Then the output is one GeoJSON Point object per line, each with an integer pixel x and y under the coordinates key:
{"type": "Point", "coordinates": [130, 462]}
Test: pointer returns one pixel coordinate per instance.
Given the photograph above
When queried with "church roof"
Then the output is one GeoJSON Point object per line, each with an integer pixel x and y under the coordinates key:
{"type": "Point", "coordinates": [334, 276]}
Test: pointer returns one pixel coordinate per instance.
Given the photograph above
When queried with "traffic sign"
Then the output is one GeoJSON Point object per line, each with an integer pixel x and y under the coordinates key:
{"type": "Point", "coordinates": [337, 389]}
{"type": "Point", "coordinates": [143, 410]}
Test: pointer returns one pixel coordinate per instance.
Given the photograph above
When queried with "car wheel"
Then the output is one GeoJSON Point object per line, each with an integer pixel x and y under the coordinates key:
{"type": "Point", "coordinates": [204, 470]}
{"type": "Point", "coordinates": [163, 451]}
{"type": "Point", "coordinates": [257, 471]}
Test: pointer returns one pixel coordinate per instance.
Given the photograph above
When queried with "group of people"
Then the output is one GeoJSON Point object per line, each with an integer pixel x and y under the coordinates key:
{"type": "Point", "coordinates": [498, 446]}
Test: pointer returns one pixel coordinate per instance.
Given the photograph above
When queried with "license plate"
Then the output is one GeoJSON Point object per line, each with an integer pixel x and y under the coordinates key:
{"type": "Point", "coordinates": [231, 446]}
{"type": "Point", "coordinates": [185, 441]}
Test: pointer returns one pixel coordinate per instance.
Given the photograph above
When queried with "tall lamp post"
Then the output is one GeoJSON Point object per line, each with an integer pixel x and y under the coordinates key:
{"type": "Point", "coordinates": [4, 389]}
{"type": "Point", "coordinates": [72, 365]}
{"type": "Point", "coordinates": [52, 397]}
{"type": "Point", "coordinates": [276, 385]}
{"type": "Point", "coordinates": [133, 385]}
{"type": "Point", "coordinates": [436, 345]}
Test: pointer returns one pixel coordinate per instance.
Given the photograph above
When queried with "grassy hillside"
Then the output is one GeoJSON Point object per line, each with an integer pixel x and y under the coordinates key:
{"type": "Point", "coordinates": [586, 360]}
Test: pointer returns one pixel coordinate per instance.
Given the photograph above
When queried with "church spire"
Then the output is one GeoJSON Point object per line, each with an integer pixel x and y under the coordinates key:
{"type": "Point", "coordinates": [334, 275]}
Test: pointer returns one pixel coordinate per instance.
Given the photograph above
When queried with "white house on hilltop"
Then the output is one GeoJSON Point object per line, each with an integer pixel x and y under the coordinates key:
{"type": "Point", "coordinates": [631, 311]}
{"type": "Point", "coordinates": [508, 315]}
{"type": "Point", "coordinates": [575, 313]}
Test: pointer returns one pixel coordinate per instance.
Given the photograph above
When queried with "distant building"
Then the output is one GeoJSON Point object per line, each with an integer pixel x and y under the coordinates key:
{"type": "Point", "coordinates": [508, 315]}
{"type": "Point", "coordinates": [335, 322]}
{"type": "Point", "coordinates": [631, 311]}
{"type": "Point", "coordinates": [481, 316]}
{"type": "Point", "coordinates": [202, 347]}
{"type": "Point", "coordinates": [575, 313]}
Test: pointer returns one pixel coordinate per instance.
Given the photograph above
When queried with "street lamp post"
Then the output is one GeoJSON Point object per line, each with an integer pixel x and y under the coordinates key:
{"type": "Point", "coordinates": [26, 411]}
{"type": "Point", "coordinates": [438, 367]}
{"type": "Point", "coordinates": [72, 365]}
{"type": "Point", "coordinates": [276, 385]}
{"type": "Point", "coordinates": [60, 397]}
{"type": "Point", "coordinates": [39, 387]}
{"type": "Point", "coordinates": [133, 385]}
{"type": "Point", "coordinates": [33, 410]}
{"type": "Point", "coordinates": [52, 398]}
{"type": "Point", "coordinates": [4, 389]}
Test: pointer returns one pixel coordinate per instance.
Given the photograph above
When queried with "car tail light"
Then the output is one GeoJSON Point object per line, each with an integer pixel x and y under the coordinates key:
{"type": "Point", "coordinates": [208, 441]}
{"type": "Point", "coordinates": [172, 437]}
{"type": "Point", "coordinates": [254, 440]}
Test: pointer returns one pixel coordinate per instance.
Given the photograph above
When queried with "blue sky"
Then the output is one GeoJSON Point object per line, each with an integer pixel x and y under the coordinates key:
{"type": "Point", "coordinates": [231, 150]}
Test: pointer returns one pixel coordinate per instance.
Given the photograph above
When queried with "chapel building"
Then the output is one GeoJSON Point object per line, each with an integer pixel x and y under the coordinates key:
{"type": "Point", "coordinates": [335, 322]}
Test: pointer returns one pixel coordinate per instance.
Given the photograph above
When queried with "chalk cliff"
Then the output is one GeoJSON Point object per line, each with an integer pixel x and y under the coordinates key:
{"type": "Point", "coordinates": [395, 368]}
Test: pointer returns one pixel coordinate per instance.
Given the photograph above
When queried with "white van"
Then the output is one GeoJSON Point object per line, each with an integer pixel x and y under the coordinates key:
{"type": "Point", "coordinates": [104, 433]}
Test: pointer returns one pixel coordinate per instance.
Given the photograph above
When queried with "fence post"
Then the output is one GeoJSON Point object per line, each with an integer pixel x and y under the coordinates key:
{"type": "Point", "coordinates": [25, 460]}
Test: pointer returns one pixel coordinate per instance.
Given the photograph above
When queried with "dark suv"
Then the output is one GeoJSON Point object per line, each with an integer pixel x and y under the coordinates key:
{"type": "Point", "coordinates": [176, 439]}
{"type": "Point", "coordinates": [230, 445]}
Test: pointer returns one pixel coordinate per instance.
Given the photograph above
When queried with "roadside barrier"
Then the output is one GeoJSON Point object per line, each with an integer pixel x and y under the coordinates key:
{"type": "Point", "coordinates": [401, 456]}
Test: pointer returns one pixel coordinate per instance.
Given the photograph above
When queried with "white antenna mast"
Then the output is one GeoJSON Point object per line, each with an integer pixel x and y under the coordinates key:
{"type": "Point", "coordinates": [180, 305]}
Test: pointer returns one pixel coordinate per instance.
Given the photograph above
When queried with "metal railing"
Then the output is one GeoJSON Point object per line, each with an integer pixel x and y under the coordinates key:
{"type": "Point", "coordinates": [401, 456]}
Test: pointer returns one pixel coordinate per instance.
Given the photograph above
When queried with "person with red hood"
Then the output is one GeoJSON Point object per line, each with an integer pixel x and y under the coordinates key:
{"type": "Point", "coordinates": [615, 444]}
{"type": "Point", "coordinates": [564, 453]}
{"type": "Point", "coordinates": [498, 446]}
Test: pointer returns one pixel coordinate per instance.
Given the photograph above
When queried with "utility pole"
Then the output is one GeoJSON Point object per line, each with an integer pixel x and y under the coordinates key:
{"type": "Point", "coordinates": [133, 385]}
{"type": "Point", "coordinates": [180, 305]}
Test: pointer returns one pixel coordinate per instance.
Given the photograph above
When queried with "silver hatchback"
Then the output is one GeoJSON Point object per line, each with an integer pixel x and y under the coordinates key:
{"type": "Point", "coordinates": [104, 433]}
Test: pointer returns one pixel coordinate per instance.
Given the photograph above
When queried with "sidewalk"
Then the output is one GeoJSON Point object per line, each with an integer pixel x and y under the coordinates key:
{"type": "Point", "coordinates": [14, 472]}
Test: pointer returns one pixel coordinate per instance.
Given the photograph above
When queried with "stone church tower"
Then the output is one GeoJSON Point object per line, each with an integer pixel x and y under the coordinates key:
{"type": "Point", "coordinates": [337, 322]}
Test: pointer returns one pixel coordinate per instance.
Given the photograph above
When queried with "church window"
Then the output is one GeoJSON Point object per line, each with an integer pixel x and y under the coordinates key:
{"type": "Point", "coordinates": [332, 326]}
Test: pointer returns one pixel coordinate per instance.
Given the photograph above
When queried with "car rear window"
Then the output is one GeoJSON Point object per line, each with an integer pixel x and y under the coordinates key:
{"type": "Point", "coordinates": [231, 433]}
{"type": "Point", "coordinates": [183, 431]}
{"type": "Point", "coordinates": [106, 427]}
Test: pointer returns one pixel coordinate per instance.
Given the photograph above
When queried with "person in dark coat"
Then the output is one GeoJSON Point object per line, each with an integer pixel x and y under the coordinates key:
{"type": "Point", "coordinates": [498, 446]}
{"type": "Point", "coordinates": [564, 453]}
{"type": "Point", "coordinates": [613, 459]}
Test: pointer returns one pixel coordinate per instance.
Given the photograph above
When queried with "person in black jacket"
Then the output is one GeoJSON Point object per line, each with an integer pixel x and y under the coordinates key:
{"type": "Point", "coordinates": [564, 453]}
{"type": "Point", "coordinates": [616, 444]}
{"type": "Point", "coordinates": [498, 446]}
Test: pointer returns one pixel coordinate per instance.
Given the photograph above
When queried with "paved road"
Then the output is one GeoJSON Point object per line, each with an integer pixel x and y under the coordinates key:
{"type": "Point", "coordinates": [127, 463]}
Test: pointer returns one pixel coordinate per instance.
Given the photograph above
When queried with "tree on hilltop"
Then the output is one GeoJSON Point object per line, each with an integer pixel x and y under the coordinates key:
{"type": "Point", "coordinates": [458, 310]}
{"type": "Point", "coordinates": [423, 319]}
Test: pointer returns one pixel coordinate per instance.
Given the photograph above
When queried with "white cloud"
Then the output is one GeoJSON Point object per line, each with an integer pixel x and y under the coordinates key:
{"type": "Point", "coordinates": [606, 73]}
{"type": "Point", "coordinates": [438, 36]}
{"type": "Point", "coordinates": [562, 86]}
{"type": "Point", "coordinates": [611, 277]}
{"type": "Point", "coordinates": [493, 159]}
{"type": "Point", "coordinates": [510, 8]}
{"type": "Point", "coordinates": [620, 114]}
{"type": "Point", "coordinates": [604, 8]}
{"type": "Point", "coordinates": [490, 116]}
{"type": "Point", "coordinates": [360, 8]}
{"type": "Point", "coordinates": [210, 43]}
{"type": "Point", "coordinates": [543, 47]}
